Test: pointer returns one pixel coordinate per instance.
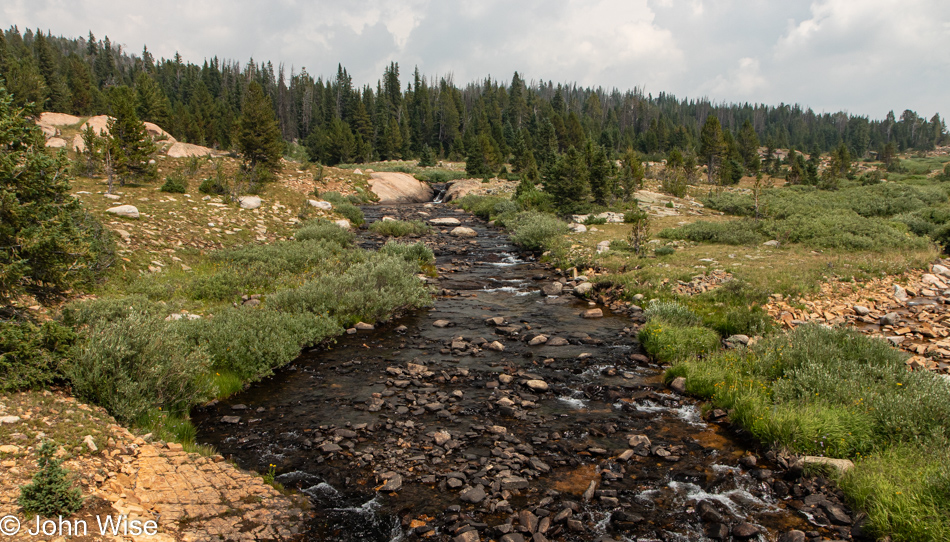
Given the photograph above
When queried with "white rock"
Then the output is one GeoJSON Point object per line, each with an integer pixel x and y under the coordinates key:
{"type": "Point", "coordinates": [129, 211]}
{"type": "Point", "coordinates": [462, 231]}
{"type": "Point", "coordinates": [900, 294]}
{"type": "Point", "coordinates": [583, 288]}
{"type": "Point", "coordinates": [441, 437]}
{"type": "Point", "coordinates": [841, 464]}
{"type": "Point", "coordinates": [445, 222]}
{"type": "Point", "coordinates": [325, 205]}
{"type": "Point", "coordinates": [111, 196]}
{"type": "Point", "coordinates": [603, 246]}
{"type": "Point", "coordinates": [250, 202]}
{"type": "Point", "coordinates": [343, 223]}
{"type": "Point", "coordinates": [772, 243]}
{"type": "Point", "coordinates": [578, 228]}
{"type": "Point", "coordinates": [9, 419]}
{"type": "Point", "coordinates": [90, 443]}
{"type": "Point", "coordinates": [56, 143]}
{"type": "Point", "coordinates": [537, 385]}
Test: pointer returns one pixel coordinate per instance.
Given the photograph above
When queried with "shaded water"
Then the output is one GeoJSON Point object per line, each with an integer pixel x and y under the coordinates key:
{"type": "Point", "coordinates": [342, 420]}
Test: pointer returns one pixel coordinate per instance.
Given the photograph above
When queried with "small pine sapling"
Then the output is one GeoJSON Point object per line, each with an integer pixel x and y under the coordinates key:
{"type": "Point", "coordinates": [51, 493]}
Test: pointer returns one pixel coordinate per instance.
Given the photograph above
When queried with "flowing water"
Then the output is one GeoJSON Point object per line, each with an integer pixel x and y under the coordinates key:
{"type": "Point", "coordinates": [387, 430]}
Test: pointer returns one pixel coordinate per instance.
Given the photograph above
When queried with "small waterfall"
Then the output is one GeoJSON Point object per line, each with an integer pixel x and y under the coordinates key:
{"type": "Point", "coordinates": [441, 193]}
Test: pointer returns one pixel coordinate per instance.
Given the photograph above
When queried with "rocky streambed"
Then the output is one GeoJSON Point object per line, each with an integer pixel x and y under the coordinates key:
{"type": "Point", "coordinates": [511, 410]}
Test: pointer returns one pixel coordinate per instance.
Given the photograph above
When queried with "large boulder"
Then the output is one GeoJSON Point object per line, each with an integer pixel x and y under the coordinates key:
{"type": "Point", "coordinates": [187, 150]}
{"type": "Point", "coordinates": [250, 202]}
{"type": "Point", "coordinates": [158, 133]}
{"type": "Point", "coordinates": [399, 188]}
{"type": "Point", "coordinates": [128, 211]}
{"type": "Point", "coordinates": [99, 124]}
{"type": "Point", "coordinates": [57, 119]}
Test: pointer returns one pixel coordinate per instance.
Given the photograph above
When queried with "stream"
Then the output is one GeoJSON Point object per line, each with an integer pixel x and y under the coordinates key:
{"type": "Point", "coordinates": [446, 424]}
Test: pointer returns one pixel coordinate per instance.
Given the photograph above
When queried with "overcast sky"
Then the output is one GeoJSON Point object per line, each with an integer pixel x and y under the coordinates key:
{"type": "Point", "coordinates": [863, 56]}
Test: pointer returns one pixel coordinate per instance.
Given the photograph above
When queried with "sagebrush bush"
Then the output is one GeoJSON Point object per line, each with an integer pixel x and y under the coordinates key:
{"type": "Point", "coordinates": [252, 342]}
{"type": "Point", "coordinates": [222, 286]}
{"type": "Point", "coordinates": [536, 231]}
{"type": "Point", "coordinates": [108, 309]}
{"type": "Point", "coordinates": [321, 229]}
{"type": "Point", "coordinates": [367, 291]}
{"type": "Point", "coordinates": [214, 186]}
{"type": "Point", "coordinates": [738, 232]}
{"type": "Point", "coordinates": [50, 494]}
{"type": "Point", "coordinates": [415, 252]}
{"type": "Point", "coordinates": [399, 228]}
{"type": "Point", "coordinates": [138, 362]}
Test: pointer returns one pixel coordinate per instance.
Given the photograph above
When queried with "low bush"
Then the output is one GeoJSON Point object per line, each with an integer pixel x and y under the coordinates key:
{"type": "Point", "coordinates": [345, 207]}
{"type": "Point", "coordinates": [399, 228]}
{"type": "Point", "coordinates": [31, 355]}
{"type": "Point", "coordinates": [176, 183]}
{"type": "Point", "coordinates": [325, 230]}
{"type": "Point", "coordinates": [214, 186]}
{"type": "Point", "coordinates": [138, 362]}
{"type": "Point", "coordinates": [592, 220]}
{"type": "Point", "coordinates": [536, 231]}
{"type": "Point", "coordinates": [739, 232]}
{"type": "Point", "coordinates": [665, 250]}
{"type": "Point", "coordinates": [224, 285]}
{"type": "Point", "coordinates": [367, 291]}
{"type": "Point", "coordinates": [481, 206]}
{"type": "Point", "coordinates": [107, 309]}
{"type": "Point", "coordinates": [252, 342]}
{"type": "Point", "coordinates": [414, 253]}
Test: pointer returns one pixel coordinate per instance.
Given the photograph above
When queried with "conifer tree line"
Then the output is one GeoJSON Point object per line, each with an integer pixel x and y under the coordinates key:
{"type": "Point", "coordinates": [487, 123]}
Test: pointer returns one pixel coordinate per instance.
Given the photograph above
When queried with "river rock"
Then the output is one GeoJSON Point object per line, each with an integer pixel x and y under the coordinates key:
{"type": "Point", "coordinates": [793, 536]}
{"type": "Point", "coordinates": [467, 536]}
{"type": "Point", "coordinates": [393, 481]}
{"type": "Point", "coordinates": [861, 310]}
{"type": "Point", "coordinates": [441, 323]}
{"type": "Point", "coordinates": [513, 482]}
{"type": "Point", "coordinates": [448, 221]}
{"type": "Point", "coordinates": [496, 346]}
{"type": "Point", "coordinates": [441, 437]}
{"type": "Point", "coordinates": [900, 294]}
{"type": "Point", "coordinates": [554, 288]}
{"type": "Point", "coordinates": [230, 419]}
{"type": "Point", "coordinates": [462, 231]}
{"type": "Point", "coordinates": [678, 384]}
{"type": "Point", "coordinates": [537, 385]}
{"type": "Point", "coordinates": [745, 530]}
{"type": "Point", "coordinates": [941, 270]}
{"type": "Point", "coordinates": [890, 319]}
{"type": "Point", "coordinates": [540, 339]}
{"type": "Point", "coordinates": [557, 341]}
{"type": "Point", "coordinates": [593, 313]}
{"type": "Point", "coordinates": [583, 288]}
{"type": "Point", "coordinates": [363, 326]}
{"type": "Point", "coordinates": [841, 464]}
{"type": "Point", "coordinates": [128, 211]}
{"type": "Point", "coordinates": [495, 321]}
{"type": "Point", "coordinates": [473, 495]}
{"type": "Point", "coordinates": [324, 205]}
{"type": "Point", "coordinates": [512, 537]}
{"type": "Point", "coordinates": [528, 520]}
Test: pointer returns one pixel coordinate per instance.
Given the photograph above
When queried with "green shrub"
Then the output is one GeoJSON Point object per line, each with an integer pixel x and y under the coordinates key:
{"type": "Point", "coordinates": [592, 220]}
{"type": "Point", "coordinates": [252, 342]}
{"type": "Point", "coordinates": [672, 313]}
{"type": "Point", "coordinates": [214, 186]}
{"type": "Point", "coordinates": [136, 363]}
{"type": "Point", "coordinates": [30, 355]}
{"type": "Point", "coordinates": [321, 229]}
{"type": "Point", "coordinates": [221, 286]}
{"type": "Point", "coordinates": [50, 494]}
{"type": "Point", "coordinates": [414, 253]}
{"type": "Point", "coordinates": [481, 206]}
{"type": "Point", "coordinates": [107, 309]}
{"type": "Point", "coordinates": [667, 342]}
{"type": "Point", "coordinates": [399, 228]}
{"type": "Point", "coordinates": [664, 250]}
{"type": "Point", "coordinates": [176, 183]}
{"type": "Point", "coordinates": [505, 207]}
{"type": "Point", "coordinates": [344, 207]}
{"type": "Point", "coordinates": [536, 231]}
{"type": "Point", "coordinates": [367, 291]}
{"type": "Point", "coordinates": [737, 232]}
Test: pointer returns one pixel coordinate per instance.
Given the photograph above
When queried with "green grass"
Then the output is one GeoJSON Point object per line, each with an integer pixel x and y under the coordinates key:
{"type": "Point", "coordinates": [838, 393]}
{"type": "Point", "coordinates": [667, 342]}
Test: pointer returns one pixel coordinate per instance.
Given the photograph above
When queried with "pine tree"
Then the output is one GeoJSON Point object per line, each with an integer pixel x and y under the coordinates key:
{"type": "Point", "coordinates": [130, 146]}
{"type": "Point", "coordinates": [567, 181]}
{"type": "Point", "coordinates": [748, 142]}
{"type": "Point", "coordinates": [44, 241]}
{"type": "Point", "coordinates": [50, 494]}
{"type": "Point", "coordinates": [631, 174]}
{"type": "Point", "coordinates": [258, 137]}
{"type": "Point", "coordinates": [711, 146]}
{"type": "Point", "coordinates": [600, 173]}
